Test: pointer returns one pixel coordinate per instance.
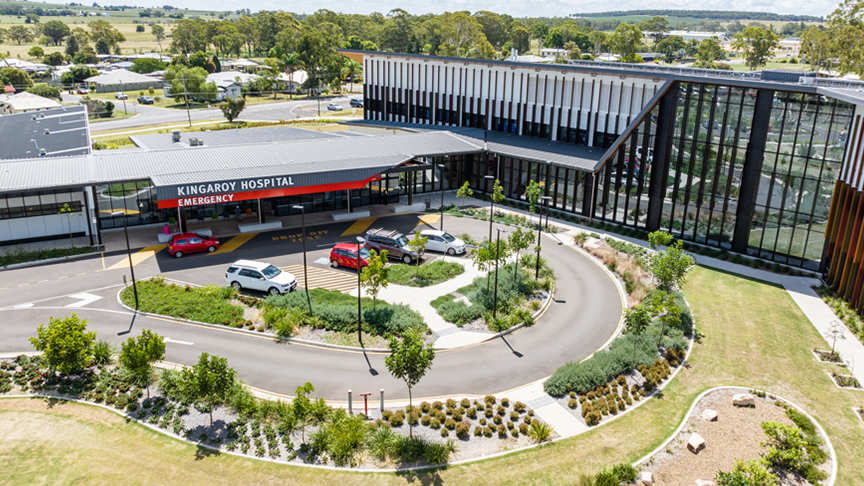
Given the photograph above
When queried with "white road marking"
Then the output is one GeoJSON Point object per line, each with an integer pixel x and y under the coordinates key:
{"type": "Point", "coordinates": [22, 306]}
{"type": "Point", "coordinates": [85, 299]}
{"type": "Point", "coordinates": [169, 340]}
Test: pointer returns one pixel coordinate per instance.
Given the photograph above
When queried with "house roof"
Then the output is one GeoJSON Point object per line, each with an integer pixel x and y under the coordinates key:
{"type": "Point", "coordinates": [233, 76]}
{"type": "Point", "coordinates": [298, 77]}
{"type": "Point", "coordinates": [27, 101]}
{"type": "Point", "coordinates": [120, 77]}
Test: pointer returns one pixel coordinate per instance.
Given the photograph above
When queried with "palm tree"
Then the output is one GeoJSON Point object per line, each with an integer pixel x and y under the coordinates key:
{"type": "Point", "coordinates": [292, 62]}
{"type": "Point", "coordinates": [350, 68]}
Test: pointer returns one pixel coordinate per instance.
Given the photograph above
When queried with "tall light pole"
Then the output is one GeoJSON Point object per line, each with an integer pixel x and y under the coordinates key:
{"type": "Point", "coordinates": [492, 206]}
{"type": "Point", "coordinates": [545, 200]}
{"type": "Point", "coordinates": [129, 254]}
{"type": "Point", "coordinates": [441, 182]}
{"type": "Point", "coordinates": [360, 241]}
{"type": "Point", "coordinates": [305, 269]}
{"type": "Point", "coordinates": [497, 257]}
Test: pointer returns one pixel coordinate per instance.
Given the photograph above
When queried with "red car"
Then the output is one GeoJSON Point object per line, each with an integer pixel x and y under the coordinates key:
{"type": "Point", "coordinates": [345, 255]}
{"type": "Point", "coordinates": [183, 243]}
{"type": "Point", "coordinates": [82, 91]}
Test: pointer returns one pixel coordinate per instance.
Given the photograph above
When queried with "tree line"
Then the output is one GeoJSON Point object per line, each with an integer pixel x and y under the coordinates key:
{"type": "Point", "coordinates": [726, 15]}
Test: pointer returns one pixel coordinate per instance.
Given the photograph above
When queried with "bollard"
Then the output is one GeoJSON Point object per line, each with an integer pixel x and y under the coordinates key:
{"type": "Point", "coordinates": [366, 404]}
{"type": "Point", "coordinates": [382, 400]}
{"type": "Point", "coordinates": [350, 409]}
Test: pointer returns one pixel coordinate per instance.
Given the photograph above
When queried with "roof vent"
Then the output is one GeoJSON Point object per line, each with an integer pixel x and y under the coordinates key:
{"type": "Point", "coordinates": [195, 141]}
{"type": "Point", "coordinates": [175, 135]}
{"type": "Point", "coordinates": [47, 131]}
{"type": "Point", "coordinates": [42, 152]}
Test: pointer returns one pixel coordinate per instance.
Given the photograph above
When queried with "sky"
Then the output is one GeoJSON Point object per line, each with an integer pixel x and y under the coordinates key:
{"type": "Point", "coordinates": [516, 8]}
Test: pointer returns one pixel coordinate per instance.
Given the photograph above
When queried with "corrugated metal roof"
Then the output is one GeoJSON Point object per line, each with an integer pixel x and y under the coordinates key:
{"type": "Point", "coordinates": [163, 141]}
{"type": "Point", "coordinates": [23, 135]}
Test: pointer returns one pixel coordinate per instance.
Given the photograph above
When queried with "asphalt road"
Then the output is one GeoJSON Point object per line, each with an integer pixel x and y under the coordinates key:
{"type": "Point", "coordinates": [583, 316]}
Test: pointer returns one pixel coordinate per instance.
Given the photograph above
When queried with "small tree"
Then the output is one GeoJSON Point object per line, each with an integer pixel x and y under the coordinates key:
{"type": "Point", "coordinates": [302, 408]}
{"type": "Point", "coordinates": [233, 107]}
{"type": "Point", "coordinates": [209, 382]}
{"type": "Point", "coordinates": [836, 331]}
{"type": "Point", "coordinates": [520, 239]}
{"type": "Point", "coordinates": [662, 305]}
{"type": "Point", "coordinates": [465, 193]}
{"type": "Point", "coordinates": [483, 258]}
{"type": "Point", "coordinates": [66, 344]}
{"type": "Point", "coordinates": [418, 245]}
{"type": "Point", "coordinates": [409, 359]}
{"type": "Point", "coordinates": [68, 211]}
{"type": "Point", "coordinates": [375, 275]}
{"type": "Point", "coordinates": [636, 322]}
{"type": "Point", "coordinates": [669, 267]}
{"type": "Point", "coordinates": [36, 52]}
{"type": "Point", "coordinates": [137, 356]}
{"type": "Point", "coordinates": [532, 195]}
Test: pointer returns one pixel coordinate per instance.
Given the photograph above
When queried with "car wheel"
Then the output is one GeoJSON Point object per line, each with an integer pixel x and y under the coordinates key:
{"type": "Point", "coordinates": [178, 254]}
{"type": "Point", "coordinates": [211, 249]}
{"type": "Point", "coordinates": [273, 291]}
{"type": "Point", "coordinates": [237, 286]}
{"type": "Point", "coordinates": [451, 251]}
{"type": "Point", "coordinates": [406, 258]}
{"type": "Point", "coordinates": [334, 264]}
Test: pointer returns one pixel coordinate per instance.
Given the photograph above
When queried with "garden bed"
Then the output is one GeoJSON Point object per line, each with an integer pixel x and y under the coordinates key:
{"type": "Point", "coordinates": [832, 357]}
{"type": "Point", "coordinates": [842, 310]}
{"type": "Point", "coordinates": [18, 255]}
{"type": "Point", "coordinates": [845, 381]}
{"type": "Point", "coordinates": [209, 304]}
{"type": "Point", "coordinates": [428, 274]}
{"type": "Point", "coordinates": [737, 434]}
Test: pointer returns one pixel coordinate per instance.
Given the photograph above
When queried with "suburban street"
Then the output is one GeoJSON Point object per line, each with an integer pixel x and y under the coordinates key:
{"type": "Point", "coordinates": [584, 314]}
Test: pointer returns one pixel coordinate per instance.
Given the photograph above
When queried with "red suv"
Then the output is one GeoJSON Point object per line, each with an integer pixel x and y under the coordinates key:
{"type": "Point", "coordinates": [191, 243]}
{"type": "Point", "coordinates": [345, 255]}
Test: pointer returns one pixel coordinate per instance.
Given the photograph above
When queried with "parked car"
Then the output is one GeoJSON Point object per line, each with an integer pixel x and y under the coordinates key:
{"type": "Point", "coordinates": [184, 243]}
{"type": "Point", "coordinates": [394, 242]}
{"type": "Point", "coordinates": [334, 107]}
{"type": "Point", "coordinates": [345, 255]}
{"type": "Point", "coordinates": [444, 242]}
{"type": "Point", "coordinates": [121, 96]}
{"type": "Point", "coordinates": [249, 274]}
{"type": "Point", "coordinates": [356, 103]}
{"type": "Point", "coordinates": [82, 91]}
{"type": "Point", "coordinates": [145, 100]}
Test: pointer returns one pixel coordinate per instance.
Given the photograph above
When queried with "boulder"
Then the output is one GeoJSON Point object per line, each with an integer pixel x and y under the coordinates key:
{"type": "Point", "coordinates": [709, 415]}
{"type": "Point", "coordinates": [744, 400]}
{"type": "Point", "coordinates": [647, 478]}
{"type": "Point", "coordinates": [696, 443]}
{"type": "Point", "coordinates": [705, 482]}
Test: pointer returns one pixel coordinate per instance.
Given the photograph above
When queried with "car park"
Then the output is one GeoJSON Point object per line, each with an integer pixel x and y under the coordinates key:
{"type": "Point", "coordinates": [121, 96]}
{"type": "Point", "coordinates": [444, 242]}
{"type": "Point", "coordinates": [394, 242]}
{"type": "Point", "coordinates": [356, 103]}
{"type": "Point", "coordinates": [145, 100]}
{"type": "Point", "coordinates": [261, 276]}
{"type": "Point", "coordinates": [334, 107]}
{"type": "Point", "coordinates": [184, 243]}
{"type": "Point", "coordinates": [345, 255]}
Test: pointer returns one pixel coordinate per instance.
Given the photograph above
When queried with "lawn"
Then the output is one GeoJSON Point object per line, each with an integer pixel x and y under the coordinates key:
{"type": "Point", "coordinates": [210, 304]}
{"type": "Point", "coordinates": [425, 275]}
{"type": "Point", "coordinates": [118, 115]}
{"type": "Point", "coordinates": [813, 249]}
{"type": "Point", "coordinates": [761, 341]}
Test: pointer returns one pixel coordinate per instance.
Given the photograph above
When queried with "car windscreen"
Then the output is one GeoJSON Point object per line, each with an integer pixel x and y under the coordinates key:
{"type": "Point", "coordinates": [448, 237]}
{"type": "Point", "coordinates": [401, 241]}
{"type": "Point", "coordinates": [271, 272]}
{"type": "Point", "coordinates": [364, 253]}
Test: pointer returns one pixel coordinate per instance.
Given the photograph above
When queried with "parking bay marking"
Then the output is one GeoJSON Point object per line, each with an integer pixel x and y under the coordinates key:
{"type": "Point", "coordinates": [185, 343]}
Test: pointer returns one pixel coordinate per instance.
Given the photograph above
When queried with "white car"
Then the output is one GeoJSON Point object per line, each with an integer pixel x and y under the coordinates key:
{"type": "Point", "coordinates": [121, 96]}
{"type": "Point", "coordinates": [248, 274]}
{"type": "Point", "coordinates": [444, 242]}
{"type": "Point", "coordinates": [334, 107]}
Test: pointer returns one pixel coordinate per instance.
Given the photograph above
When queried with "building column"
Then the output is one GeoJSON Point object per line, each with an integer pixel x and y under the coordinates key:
{"type": "Point", "coordinates": [662, 153]}
{"type": "Point", "coordinates": [750, 173]}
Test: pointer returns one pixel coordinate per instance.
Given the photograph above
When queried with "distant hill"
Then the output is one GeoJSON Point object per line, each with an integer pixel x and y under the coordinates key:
{"type": "Point", "coordinates": [721, 15]}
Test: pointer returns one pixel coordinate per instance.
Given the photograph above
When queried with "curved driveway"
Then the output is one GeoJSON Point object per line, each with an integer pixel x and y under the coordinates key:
{"type": "Point", "coordinates": [584, 314]}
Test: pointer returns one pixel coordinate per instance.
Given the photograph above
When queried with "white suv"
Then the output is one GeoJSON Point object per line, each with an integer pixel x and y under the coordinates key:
{"type": "Point", "coordinates": [248, 274]}
{"type": "Point", "coordinates": [443, 242]}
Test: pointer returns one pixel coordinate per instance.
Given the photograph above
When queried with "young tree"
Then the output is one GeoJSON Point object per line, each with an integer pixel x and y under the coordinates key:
{"type": "Point", "coordinates": [636, 322]}
{"type": "Point", "coordinates": [465, 193]}
{"type": "Point", "coordinates": [662, 305]}
{"type": "Point", "coordinates": [756, 45]}
{"type": "Point", "coordinates": [137, 356]}
{"type": "Point", "coordinates": [233, 107]}
{"type": "Point", "coordinates": [375, 275]}
{"type": "Point", "coordinates": [159, 32]}
{"type": "Point", "coordinates": [302, 408]}
{"type": "Point", "coordinates": [418, 245]}
{"type": "Point", "coordinates": [520, 239]}
{"type": "Point", "coordinates": [66, 344]}
{"type": "Point", "coordinates": [836, 331]}
{"type": "Point", "coordinates": [409, 360]}
{"type": "Point", "coordinates": [483, 258]}
{"type": "Point", "coordinates": [532, 194]}
{"type": "Point", "coordinates": [209, 382]}
{"type": "Point", "coordinates": [669, 267]}
{"type": "Point", "coordinates": [68, 211]}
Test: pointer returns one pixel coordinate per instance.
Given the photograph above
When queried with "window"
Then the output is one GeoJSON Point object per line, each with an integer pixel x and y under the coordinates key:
{"type": "Point", "coordinates": [181, 242]}
{"type": "Point", "coordinates": [448, 237]}
{"type": "Point", "coordinates": [194, 241]}
{"type": "Point", "coordinates": [271, 271]}
{"type": "Point", "coordinates": [401, 241]}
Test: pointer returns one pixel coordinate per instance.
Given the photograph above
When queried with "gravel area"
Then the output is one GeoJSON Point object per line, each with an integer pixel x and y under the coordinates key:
{"type": "Point", "coordinates": [736, 434]}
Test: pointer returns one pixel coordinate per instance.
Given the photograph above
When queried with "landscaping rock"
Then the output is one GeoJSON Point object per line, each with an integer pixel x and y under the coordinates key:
{"type": "Point", "coordinates": [744, 400]}
{"type": "Point", "coordinates": [696, 443]}
{"type": "Point", "coordinates": [647, 478]}
{"type": "Point", "coordinates": [709, 415]}
{"type": "Point", "coordinates": [705, 482]}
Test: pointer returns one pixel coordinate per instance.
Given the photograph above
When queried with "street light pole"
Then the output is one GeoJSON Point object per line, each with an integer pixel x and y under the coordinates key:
{"type": "Point", "coordinates": [441, 182]}
{"type": "Point", "coordinates": [129, 254]}
{"type": "Point", "coordinates": [305, 269]}
{"type": "Point", "coordinates": [497, 257]}
{"type": "Point", "coordinates": [492, 206]}
{"type": "Point", "coordinates": [545, 199]}
{"type": "Point", "coordinates": [360, 241]}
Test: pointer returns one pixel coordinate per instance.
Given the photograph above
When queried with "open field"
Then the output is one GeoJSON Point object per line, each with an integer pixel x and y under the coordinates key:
{"type": "Point", "coordinates": [763, 342]}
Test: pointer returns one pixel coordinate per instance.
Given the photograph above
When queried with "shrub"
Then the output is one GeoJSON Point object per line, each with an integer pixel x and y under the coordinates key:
{"type": "Point", "coordinates": [462, 429]}
{"type": "Point", "coordinates": [593, 418]}
{"type": "Point", "coordinates": [396, 420]}
{"type": "Point", "coordinates": [450, 424]}
{"type": "Point", "coordinates": [489, 399]}
{"type": "Point", "coordinates": [514, 432]}
{"type": "Point", "coordinates": [505, 402]}
{"type": "Point", "coordinates": [519, 407]}
{"type": "Point", "coordinates": [102, 353]}
{"type": "Point", "coordinates": [456, 415]}
{"type": "Point", "coordinates": [488, 412]}
{"type": "Point", "coordinates": [501, 411]}
{"type": "Point", "coordinates": [480, 405]}
{"type": "Point", "coordinates": [436, 405]}
{"type": "Point", "coordinates": [435, 423]}
{"type": "Point", "coordinates": [573, 403]}
{"type": "Point", "coordinates": [625, 472]}
{"type": "Point", "coordinates": [497, 419]}
{"type": "Point", "coordinates": [540, 431]}
{"type": "Point", "coordinates": [478, 431]}
{"type": "Point", "coordinates": [482, 421]}
{"type": "Point", "coordinates": [471, 413]}
{"type": "Point", "coordinates": [424, 420]}
{"type": "Point", "coordinates": [445, 432]}
{"type": "Point", "coordinates": [487, 432]}
{"type": "Point", "coordinates": [424, 407]}
{"type": "Point", "coordinates": [386, 414]}
{"type": "Point", "coordinates": [451, 403]}
{"type": "Point", "coordinates": [502, 431]}
{"type": "Point", "coordinates": [465, 403]}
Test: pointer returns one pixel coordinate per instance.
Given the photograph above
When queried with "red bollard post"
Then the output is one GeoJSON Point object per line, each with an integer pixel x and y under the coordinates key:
{"type": "Point", "coordinates": [366, 402]}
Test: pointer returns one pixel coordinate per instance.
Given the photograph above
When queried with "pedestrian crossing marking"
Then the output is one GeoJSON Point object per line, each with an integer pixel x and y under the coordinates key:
{"type": "Point", "coordinates": [138, 257]}
{"type": "Point", "coordinates": [430, 219]}
{"type": "Point", "coordinates": [343, 280]}
{"type": "Point", "coordinates": [235, 243]}
{"type": "Point", "coordinates": [359, 227]}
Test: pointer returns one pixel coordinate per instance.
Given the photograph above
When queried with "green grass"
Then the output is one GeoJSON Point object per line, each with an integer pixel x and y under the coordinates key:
{"type": "Point", "coordinates": [117, 115]}
{"type": "Point", "coordinates": [18, 255]}
{"type": "Point", "coordinates": [425, 275]}
{"type": "Point", "coordinates": [442, 300]}
{"type": "Point", "coordinates": [762, 341]}
{"type": "Point", "coordinates": [210, 304]}
{"type": "Point", "coordinates": [812, 252]}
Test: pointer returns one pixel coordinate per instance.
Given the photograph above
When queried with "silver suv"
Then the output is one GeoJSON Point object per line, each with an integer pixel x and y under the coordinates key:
{"type": "Point", "coordinates": [394, 242]}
